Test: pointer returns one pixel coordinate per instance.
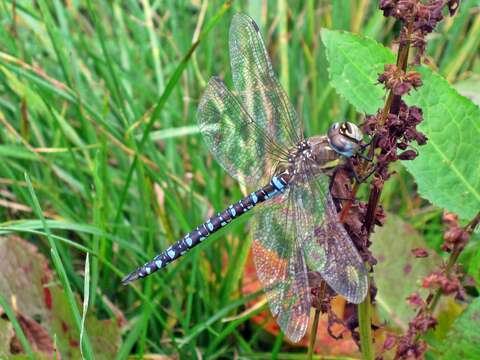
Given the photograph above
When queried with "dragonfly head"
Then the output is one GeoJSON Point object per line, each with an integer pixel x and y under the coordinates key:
{"type": "Point", "coordinates": [345, 138]}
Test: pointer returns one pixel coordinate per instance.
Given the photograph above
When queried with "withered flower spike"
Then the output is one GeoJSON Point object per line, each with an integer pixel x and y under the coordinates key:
{"type": "Point", "coordinates": [394, 129]}
{"type": "Point", "coordinates": [449, 284]}
{"type": "Point", "coordinates": [423, 17]}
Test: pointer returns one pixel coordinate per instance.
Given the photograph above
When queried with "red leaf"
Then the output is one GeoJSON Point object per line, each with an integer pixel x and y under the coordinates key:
{"type": "Point", "coordinates": [37, 335]}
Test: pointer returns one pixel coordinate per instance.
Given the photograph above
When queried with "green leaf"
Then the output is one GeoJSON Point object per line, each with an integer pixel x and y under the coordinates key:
{"type": "Point", "coordinates": [463, 340]}
{"type": "Point", "coordinates": [354, 65]}
{"type": "Point", "coordinates": [392, 245]}
{"type": "Point", "coordinates": [473, 268]}
{"type": "Point", "coordinates": [447, 170]}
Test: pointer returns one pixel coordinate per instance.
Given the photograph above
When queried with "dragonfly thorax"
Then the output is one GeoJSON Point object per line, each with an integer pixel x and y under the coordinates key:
{"type": "Point", "coordinates": [301, 152]}
{"type": "Point", "coordinates": [311, 157]}
{"type": "Point", "coordinates": [321, 154]}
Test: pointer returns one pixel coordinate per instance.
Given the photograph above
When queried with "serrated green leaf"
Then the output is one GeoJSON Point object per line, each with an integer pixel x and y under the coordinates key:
{"type": "Point", "coordinates": [447, 170]}
{"type": "Point", "coordinates": [354, 64]}
{"type": "Point", "coordinates": [473, 268]}
{"type": "Point", "coordinates": [463, 340]}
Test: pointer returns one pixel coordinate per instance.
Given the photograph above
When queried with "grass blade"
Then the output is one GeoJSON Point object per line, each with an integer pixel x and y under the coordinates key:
{"type": "Point", "coordinates": [59, 268]}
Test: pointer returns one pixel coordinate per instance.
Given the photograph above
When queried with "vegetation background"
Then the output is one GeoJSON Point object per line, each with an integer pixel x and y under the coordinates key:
{"type": "Point", "coordinates": [100, 154]}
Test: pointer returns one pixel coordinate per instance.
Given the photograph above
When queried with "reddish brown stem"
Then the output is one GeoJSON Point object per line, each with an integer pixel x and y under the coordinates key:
{"type": "Point", "coordinates": [392, 106]}
{"type": "Point", "coordinates": [373, 200]}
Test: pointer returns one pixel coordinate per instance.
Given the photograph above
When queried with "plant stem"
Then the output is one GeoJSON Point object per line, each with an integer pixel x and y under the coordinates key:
{"type": "Point", "coordinates": [364, 321]}
{"type": "Point", "coordinates": [392, 106]}
{"type": "Point", "coordinates": [313, 335]}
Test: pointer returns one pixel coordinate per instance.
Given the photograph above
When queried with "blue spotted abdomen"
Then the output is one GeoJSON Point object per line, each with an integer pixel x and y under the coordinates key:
{"type": "Point", "coordinates": [276, 185]}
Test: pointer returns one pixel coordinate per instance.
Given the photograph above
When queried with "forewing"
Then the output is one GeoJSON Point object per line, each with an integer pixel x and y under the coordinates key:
{"type": "Point", "coordinates": [281, 267]}
{"type": "Point", "coordinates": [257, 86]}
{"type": "Point", "coordinates": [243, 148]}
{"type": "Point", "coordinates": [328, 248]}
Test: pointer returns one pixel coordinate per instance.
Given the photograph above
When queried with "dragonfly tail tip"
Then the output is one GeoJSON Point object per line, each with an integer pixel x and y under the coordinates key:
{"type": "Point", "coordinates": [130, 277]}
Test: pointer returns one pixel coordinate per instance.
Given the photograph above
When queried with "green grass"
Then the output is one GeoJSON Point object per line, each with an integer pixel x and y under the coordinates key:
{"type": "Point", "coordinates": [97, 107]}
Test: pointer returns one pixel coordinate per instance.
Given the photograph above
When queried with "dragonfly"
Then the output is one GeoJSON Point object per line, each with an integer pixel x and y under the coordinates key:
{"type": "Point", "coordinates": [255, 134]}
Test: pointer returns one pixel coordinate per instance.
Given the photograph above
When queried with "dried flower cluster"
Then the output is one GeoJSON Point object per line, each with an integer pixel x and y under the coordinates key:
{"type": "Point", "coordinates": [455, 237]}
{"type": "Point", "coordinates": [409, 346]}
{"type": "Point", "coordinates": [393, 129]}
{"type": "Point", "coordinates": [394, 133]}
{"type": "Point", "coordinates": [420, 19]}
{"type": "Point", "coordinates": [448, 283]}
{"type": "Point", "coordinates": [399, 81]}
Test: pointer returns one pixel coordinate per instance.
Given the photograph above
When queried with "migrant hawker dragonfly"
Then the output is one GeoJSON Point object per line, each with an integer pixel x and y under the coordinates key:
{"type": "Point", "coordinates": [254, 133]}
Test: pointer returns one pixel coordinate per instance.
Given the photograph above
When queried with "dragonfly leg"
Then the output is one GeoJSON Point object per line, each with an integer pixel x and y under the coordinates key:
{"type": "Point", "coordinates": [369, 173]}
{"type": "Point", "coordinates": [365, 145]}
{"type": "Point", "coordinates": [360, 152]}
{"type": "Point", "coordinates": [368, 158]}
{"type": "Point", "coordinates": [359, 179]}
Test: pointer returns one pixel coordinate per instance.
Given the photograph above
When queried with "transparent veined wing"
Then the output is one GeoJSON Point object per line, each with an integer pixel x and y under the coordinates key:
{"type": "Point", "coordinates": [243, 148]}
{"type": "Point", "coordinates": [328, 249]}
{"type": "Point", "coordinates": [257, 86]}
{"type": "Point", "coordinates": [281, 267]}
{"type": "Point", "coordinates": [343, 269]}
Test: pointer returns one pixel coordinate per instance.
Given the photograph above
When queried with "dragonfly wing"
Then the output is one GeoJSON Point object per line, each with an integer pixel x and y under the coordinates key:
{"type": "Point", "coordinates": [256, 84]}
{"type": "Point", "coordinates": [243, 148]}
{"type": "Point", "coordinates": [344, 269]}
{"type": "Point", "coordinates": [328, 248]}
{"type": "Point", "coordinates": [281, 267]}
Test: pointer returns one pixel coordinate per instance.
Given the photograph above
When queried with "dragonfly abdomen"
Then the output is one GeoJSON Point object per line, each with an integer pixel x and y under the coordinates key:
{"type": "Point", "coordinates": [276, 186]}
